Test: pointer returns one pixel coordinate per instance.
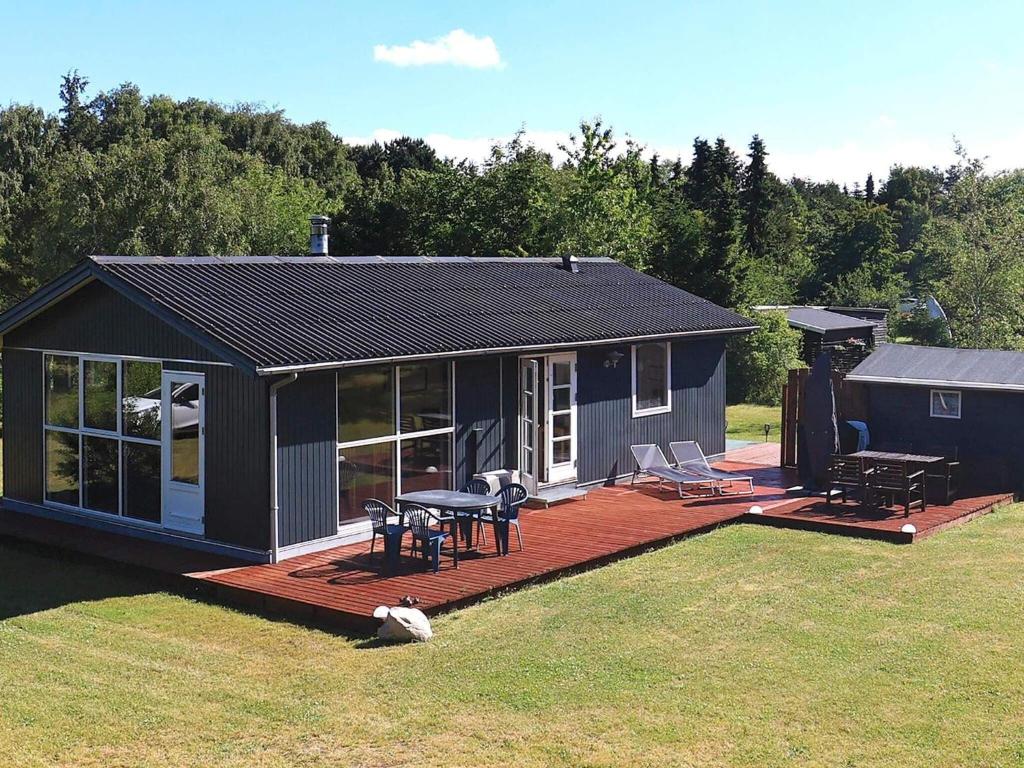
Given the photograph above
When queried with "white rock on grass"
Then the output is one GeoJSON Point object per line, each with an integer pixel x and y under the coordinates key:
{"type": "Point", "coordinates": [403, 625]}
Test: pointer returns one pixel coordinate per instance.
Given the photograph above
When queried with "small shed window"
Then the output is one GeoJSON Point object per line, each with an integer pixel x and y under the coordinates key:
{"type": "Point", "coordinates": [945, 404]}
{"type": "Point", "coordinates": [652, 385]}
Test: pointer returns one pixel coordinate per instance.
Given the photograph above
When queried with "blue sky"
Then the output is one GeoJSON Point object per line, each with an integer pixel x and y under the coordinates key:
{"type": "Point", "coordinates": [836, 89]}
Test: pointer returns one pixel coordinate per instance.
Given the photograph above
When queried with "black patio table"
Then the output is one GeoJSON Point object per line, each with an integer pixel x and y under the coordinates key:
{"type": "Point", "coordinates": [458, 503]}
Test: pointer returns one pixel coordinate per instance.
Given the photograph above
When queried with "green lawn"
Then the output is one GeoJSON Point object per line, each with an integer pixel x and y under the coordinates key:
{"type": "Point", "coordinates": [746, 422]}
{"type": "Point", "coordinates": [747, 646]}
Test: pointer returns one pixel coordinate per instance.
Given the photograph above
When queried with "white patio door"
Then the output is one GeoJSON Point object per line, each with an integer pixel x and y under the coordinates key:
{"type": "Point", "coordinates": [529, 382]}
{"type": "Point", "coordinates": [561, 418]}
{"type": "Point", "coordinates": [183, 437]}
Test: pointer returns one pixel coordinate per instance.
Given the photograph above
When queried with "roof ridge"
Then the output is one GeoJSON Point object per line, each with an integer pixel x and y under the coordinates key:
{"type": "Point", "coordinates": [177, 260]}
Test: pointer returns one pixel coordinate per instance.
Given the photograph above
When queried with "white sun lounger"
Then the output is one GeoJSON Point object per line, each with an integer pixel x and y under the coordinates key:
{"type": "Point", "coordinates": [651, 462]}
{"type": "Point", "coordinates": [690, 458]}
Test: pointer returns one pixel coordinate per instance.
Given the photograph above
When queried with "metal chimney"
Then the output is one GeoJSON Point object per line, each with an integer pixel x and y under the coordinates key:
{"type": "Point", "coordinates": [318, 235]}
{"type": "Point", "coordinates": [570, 263]}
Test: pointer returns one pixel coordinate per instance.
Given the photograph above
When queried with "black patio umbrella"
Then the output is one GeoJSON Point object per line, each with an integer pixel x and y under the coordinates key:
{"type": "Point", "coordinates": [819, 435]}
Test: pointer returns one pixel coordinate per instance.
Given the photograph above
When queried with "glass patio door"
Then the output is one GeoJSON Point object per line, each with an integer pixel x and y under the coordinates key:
{"type": "Point", "coordinates": [529, 382]}
{"type": "Point", "coordinates": [561, 418]}
{"type": "Point", "coordinates": [183, 438]}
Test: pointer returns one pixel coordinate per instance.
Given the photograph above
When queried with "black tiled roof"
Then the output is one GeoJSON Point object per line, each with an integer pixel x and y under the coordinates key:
{"type": "Point", "coordinates": [279, 312]}
{"type": "Point", "coordinates": [942, 366]}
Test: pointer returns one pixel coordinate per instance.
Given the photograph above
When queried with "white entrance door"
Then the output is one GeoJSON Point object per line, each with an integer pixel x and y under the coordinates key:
{"type": "Point", "coordinates": [561, 418]}
{"type": "Point", "coordinates": [183, 428]}
{"type": "Point", "coordinates": [529, 381]}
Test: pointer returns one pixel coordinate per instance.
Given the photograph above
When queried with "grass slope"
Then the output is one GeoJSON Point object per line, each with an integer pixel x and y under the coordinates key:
{"type": "Point", "coordinates": [746, 422]}
{"type": "Point", "coordinates": [748, 646]}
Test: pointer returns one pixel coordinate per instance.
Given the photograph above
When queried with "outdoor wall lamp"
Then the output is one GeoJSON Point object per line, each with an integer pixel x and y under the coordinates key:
{"type": "Point", "coordinates": [612, 361]}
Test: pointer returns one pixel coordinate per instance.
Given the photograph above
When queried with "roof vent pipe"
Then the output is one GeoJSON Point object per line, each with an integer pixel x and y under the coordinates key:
{"type": "Point", "coordinates": [318, 235]}
{"type": "Point", "coordinates": [570, 264]}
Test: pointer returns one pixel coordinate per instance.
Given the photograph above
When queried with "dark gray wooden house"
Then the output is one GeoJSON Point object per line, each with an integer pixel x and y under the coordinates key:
{"type": "Point", "coordinates": [249, 405]}
{"type": "Point", "coordinates": [970, 400]}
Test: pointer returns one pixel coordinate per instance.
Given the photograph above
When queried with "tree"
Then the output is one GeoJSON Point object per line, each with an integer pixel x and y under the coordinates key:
{"type": "Point", "coordinates": [600, 212]}
{"type": "Point", "coordinates": [976, 247]}
{"type": "Point", "coordinates": [756, 200]}
{"type": "Point", "coordinates": [757, 363]}
{"type": "Point", "coordinates": [869, 189]}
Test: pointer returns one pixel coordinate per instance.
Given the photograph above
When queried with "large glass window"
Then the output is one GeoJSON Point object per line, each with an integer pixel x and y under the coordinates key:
{"type": "Point", "coordinates": [426, 463]}
{"type": "Point", "coordinates": [366, 403]}
{"type": "Point", "coordinates": [100, 393]}
{"type": "Point", "coordinates": [652, 391]}
{"type": "Point", "coordinates": [394, 432]}
{"type": "Point", "coordinates": [140, 491]}
{"type": "Point", "coordinates": [102, 452]}
{"type": "Point", "coordinates": [61, 381]}
{"type": "Point", "coordinates": [140, 392]}
{"type": "Point", "coordinates": [365, 472]}
{"type": "Point", "coordinates": [62, 467]}
{"type": "Point", "coordinates": [99, 474]}
{"type": "Point", "coordinates": [425, 397]}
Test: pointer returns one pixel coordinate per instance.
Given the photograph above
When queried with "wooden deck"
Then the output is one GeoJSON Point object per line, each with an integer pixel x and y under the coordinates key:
{"type": "Point", "coordinates": [342, 586]}
{"type": "Point", "coordinates": [851, 519]}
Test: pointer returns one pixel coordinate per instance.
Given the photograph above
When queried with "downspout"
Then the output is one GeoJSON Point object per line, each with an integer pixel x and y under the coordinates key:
{"type": "Point", "coordinates": [274, 507]}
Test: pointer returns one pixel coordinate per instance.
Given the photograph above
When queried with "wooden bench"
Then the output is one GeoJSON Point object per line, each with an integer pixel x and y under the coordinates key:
{"type": "Point", "coordinates": [888, 479]}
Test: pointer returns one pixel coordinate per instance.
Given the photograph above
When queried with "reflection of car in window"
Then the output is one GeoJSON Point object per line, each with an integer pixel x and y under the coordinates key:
{"type": "Point", "coordinates": [184, 406]}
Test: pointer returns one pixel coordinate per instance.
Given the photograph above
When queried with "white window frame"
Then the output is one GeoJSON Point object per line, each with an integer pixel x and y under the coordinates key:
{"type": "Point", "coordinates": [82, 431]}
{"type": "Point", "coordinates": [397, 437]}
{"type": "Point", "coordinates": [931, 403]}
{"type": "Point", "coordinates": [667, 407]}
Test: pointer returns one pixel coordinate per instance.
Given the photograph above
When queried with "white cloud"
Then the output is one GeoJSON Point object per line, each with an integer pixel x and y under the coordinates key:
{"type": "Point", "coordinates": [458, 47]}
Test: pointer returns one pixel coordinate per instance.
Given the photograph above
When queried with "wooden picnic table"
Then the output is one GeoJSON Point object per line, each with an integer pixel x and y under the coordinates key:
{"type": "Point", "coordinates": [908, 458]}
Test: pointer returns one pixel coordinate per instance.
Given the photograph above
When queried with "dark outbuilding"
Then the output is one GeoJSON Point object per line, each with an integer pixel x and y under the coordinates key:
{"type": "Point", "coordinates": [970, 400]}
{"type": "Point", "coordinates": [249, 405]}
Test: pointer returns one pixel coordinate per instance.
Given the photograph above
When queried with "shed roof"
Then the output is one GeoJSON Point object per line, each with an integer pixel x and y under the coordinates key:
{"type": "Point", "coordinates": [823, 321]}
{"type": "Point", "coordinates": [942, 367]}
{"type": "Point", "coordinates": [284, 313]}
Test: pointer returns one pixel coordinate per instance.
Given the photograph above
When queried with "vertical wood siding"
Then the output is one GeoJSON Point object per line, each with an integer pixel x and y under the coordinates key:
{"type": "Point", "coordinates": [307, 456]}
{"type": "Point", "coordinates": [22, 428]}
{"type": "Point", "coordinates": [988, 434]}
{"type": "Point", "coordinates": [237, 457]}
{"type": "Point", "coordinates": [605, 419]}
{"type": "Point", "coordinates": [478, 427]}
{"type": "Point", "coordinates": [98, 320]}
{"type": "Point", "coordinates": [607, 428]}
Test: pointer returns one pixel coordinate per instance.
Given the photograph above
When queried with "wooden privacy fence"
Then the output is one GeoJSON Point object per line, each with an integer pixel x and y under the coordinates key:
{"type": "Point", "coordinates": [851, 403]}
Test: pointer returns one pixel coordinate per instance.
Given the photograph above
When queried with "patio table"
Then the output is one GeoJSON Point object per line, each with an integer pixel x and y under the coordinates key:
{"type": "Point", "coordinates": [908, 458]}
{"type": "Point", "coordinates": [460, 505]}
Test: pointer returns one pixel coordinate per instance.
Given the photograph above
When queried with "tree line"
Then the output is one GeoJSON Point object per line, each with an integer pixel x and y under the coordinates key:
{"type": "Point", "coordinates": [121, 173]}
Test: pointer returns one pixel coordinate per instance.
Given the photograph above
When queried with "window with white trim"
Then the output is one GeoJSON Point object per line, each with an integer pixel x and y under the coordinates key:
{"type": "Point", "coordinates": [652, 379]}
{"type": "Point", "coordinates": [101, 434]}
{"type": "Point", "coordinates": [945, 403]}
{"type": "Point", "coordinates": [395, 432]}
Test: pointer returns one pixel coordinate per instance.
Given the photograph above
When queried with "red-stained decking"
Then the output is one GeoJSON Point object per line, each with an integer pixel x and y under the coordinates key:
{"type": "Point", "coordinates": [850, 520]}
{"type": "Point", "coordinates": [342, 586]}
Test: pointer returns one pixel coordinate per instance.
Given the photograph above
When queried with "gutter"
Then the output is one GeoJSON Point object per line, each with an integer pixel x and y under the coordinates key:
{"type": "Point", "coordinates": [274, 506]}
{"type": "Point", "coordinates": [938, 383]}
{"type": "Point", "coordinates": [276, 369]}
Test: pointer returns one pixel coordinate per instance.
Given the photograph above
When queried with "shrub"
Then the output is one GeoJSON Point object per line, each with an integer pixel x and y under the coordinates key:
{"type": "Point", "coordinates": [757, 364]}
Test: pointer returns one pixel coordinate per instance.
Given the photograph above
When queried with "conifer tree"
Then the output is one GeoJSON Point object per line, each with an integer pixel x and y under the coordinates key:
{"type": "Point", "coordinates": [869, 189]}
{"type": "Point", "coordinates": [756, 200]}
